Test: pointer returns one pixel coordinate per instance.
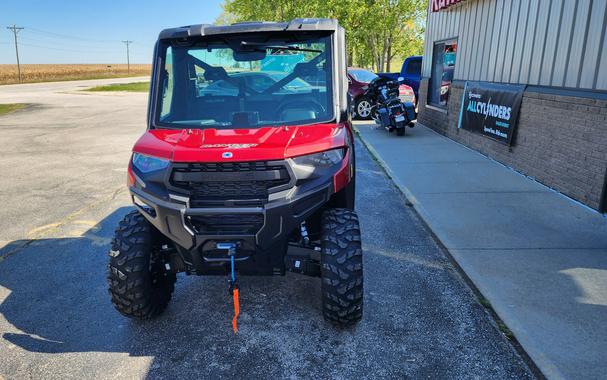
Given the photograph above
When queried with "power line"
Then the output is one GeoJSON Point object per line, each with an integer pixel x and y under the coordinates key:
{"type": "Point", "coordinates": [57, 45]}
{"type": "Point", "coordinates": [16, 30]}
{"type": "Point", "coordinates": [64, 49]}
{"type": "Point", "coordinates": [128, 58]}
{"type": "Point", "coordinates": [36, 39]}
{"type": "Point", "coordinates": [86, 48]}
{"type": "Point", "coordinates": [66, 36]}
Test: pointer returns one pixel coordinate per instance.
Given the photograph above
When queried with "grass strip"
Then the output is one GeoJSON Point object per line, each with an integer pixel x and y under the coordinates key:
{"type": "Point", "coordinates": [131, 87]}
{"type": "Point", "coordinates": [8, 108]}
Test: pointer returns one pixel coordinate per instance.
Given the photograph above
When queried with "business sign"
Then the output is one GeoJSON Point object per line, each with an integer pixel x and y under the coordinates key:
{"type": "Point", "coordinates": [437, 5]}
{"type": "Point", "coordinates": [491, 109]}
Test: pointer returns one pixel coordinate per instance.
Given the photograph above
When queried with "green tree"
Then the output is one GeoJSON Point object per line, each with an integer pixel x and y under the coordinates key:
{"type": "Point", "coordinates": [377, 31]}
{"type": "Point", "coordinates": [400, 33]}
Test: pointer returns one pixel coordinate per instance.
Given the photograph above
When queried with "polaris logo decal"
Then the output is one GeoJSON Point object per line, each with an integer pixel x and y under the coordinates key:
{"type": "Point", "coordinates": [227, 155]}
{"type": "Point", "coordinates": [229, 146]}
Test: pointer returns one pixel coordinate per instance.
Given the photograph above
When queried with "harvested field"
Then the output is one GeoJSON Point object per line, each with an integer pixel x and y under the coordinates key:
{"type": "Point", "coordinates": [60, 72]}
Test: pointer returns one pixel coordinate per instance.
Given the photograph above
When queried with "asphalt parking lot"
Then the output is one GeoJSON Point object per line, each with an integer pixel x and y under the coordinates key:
{"type": "Point", "coordinates": [62, 194]}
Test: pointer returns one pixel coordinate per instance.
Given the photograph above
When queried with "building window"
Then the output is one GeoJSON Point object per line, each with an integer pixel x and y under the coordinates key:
{"type": "Point", "coordinates": [414, 67]}
{"type": "Point", "coordinates": [443, 65]}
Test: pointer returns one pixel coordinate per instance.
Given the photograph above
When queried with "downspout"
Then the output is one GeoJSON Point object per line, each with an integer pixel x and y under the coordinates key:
{"type": "Point", "coordinates": [603, 201]}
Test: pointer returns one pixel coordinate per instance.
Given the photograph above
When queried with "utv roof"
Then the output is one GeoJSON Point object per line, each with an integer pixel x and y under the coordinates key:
{"type": "Point", "coordinates": [298, 24]}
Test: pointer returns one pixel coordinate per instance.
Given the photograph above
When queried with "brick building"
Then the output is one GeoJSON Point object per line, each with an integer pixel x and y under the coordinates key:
{"type": "Point", "coordinates": [557, 51]}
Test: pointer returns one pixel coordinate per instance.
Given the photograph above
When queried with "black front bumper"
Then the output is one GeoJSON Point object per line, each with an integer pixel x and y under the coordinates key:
{"type": "Point", "coordinates": [198, 205]}
{"type": "Point", "coordinates": [281, 216]}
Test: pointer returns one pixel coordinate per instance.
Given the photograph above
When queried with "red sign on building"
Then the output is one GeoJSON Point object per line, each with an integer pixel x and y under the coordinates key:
{"type": "Point", "coordinates": [437, 5]}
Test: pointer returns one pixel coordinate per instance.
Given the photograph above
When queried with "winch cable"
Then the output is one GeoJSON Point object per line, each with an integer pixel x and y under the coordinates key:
{"type": "Point", "coordinates": [234, 289]}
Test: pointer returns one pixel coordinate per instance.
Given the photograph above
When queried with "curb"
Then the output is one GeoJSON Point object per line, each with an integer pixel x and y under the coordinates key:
{"type": "Point", "coordinates": [403, 189]}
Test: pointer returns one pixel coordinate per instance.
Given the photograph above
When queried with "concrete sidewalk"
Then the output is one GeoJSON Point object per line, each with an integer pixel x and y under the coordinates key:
{"type": "Point", "coordinates": [537, 256]}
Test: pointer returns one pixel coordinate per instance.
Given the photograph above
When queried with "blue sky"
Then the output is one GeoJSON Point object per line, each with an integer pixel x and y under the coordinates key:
{"type": "Point", "coordinates": [89, 31]}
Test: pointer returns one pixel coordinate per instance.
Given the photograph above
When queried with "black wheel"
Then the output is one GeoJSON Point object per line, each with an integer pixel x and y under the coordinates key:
{"type": "Point", "coordinates": [341, 267]}
{"type": "Point", "coordinates": [139, 285]}
{"type": "Point", "coordinates": [400, 131]}
{"type": "Point", "coordinates": [363, 108]}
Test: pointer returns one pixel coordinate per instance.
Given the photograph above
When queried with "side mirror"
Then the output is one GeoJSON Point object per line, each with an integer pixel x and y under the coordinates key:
{"type": "Point", "coordinates": [401, 79]}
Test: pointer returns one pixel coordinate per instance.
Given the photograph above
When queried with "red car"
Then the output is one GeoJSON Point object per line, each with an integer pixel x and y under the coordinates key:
{"type": "Point", "coordinates": [358, 81]}
{"type": "Point", "coordinates": [246, 168]}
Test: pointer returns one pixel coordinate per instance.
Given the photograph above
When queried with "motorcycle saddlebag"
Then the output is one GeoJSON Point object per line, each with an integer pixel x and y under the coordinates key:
{"type": "Point", "coordinates": [410, 111]}
{"type": "Point", "coordinates": [384, 117]}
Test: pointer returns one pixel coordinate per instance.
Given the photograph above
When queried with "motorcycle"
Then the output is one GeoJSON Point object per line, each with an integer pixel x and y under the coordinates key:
{"type": "Point", "coordinates": [388, 111]}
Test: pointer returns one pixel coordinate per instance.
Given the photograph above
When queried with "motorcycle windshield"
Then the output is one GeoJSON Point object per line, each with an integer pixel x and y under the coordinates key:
{"type": "Point", "coordinates": [245, 82]}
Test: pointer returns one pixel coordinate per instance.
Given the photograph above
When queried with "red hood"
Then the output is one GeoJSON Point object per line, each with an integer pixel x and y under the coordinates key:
{"type": "Point", "coordinates": [267, 143]}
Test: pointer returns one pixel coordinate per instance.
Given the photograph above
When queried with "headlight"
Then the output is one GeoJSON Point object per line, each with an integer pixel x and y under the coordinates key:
{"type": "Point", "coordinates": [148, 164]}
{"type": "Point", "coordinates": [324, 159]}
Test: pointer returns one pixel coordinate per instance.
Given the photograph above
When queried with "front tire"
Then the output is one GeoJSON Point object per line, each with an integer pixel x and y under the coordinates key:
{"type": "Point", "coordinates": [400, 131]}
{"type": "Point", "coordinates": [341, 267]}
{"type": "Point", "coordinates": [363, 108]}
{"type": "Point", "coordinates": [140, 287]}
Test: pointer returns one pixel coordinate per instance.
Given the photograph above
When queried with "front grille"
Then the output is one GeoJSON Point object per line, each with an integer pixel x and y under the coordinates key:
{"type": "Point", "coordinates": [229, 224]}
{"type": "Point", "coordinates": [235, 184]}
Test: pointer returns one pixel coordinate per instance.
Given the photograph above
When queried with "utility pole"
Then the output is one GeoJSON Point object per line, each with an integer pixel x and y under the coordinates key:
{"type": "Point", "coordinates": [16, 30]}
{"type": "Point", "coordinates": [128, 58]}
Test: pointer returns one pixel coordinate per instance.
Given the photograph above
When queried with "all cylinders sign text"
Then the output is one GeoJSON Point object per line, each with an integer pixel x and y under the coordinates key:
{"type": "Point", "coordinates": [491, 109]}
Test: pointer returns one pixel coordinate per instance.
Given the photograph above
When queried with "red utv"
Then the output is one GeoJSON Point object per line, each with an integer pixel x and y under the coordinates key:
{"type": "Point", "coordinates": [246, 167]}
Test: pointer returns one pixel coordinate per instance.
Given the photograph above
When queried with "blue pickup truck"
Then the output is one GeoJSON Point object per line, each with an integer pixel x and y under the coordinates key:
{"type": "Point", "coordinates": [411, 72]}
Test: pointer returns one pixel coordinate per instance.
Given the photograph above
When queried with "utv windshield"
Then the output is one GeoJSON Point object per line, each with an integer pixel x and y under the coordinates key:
{"type": "Point", "coordinates": [245, 83]}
